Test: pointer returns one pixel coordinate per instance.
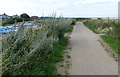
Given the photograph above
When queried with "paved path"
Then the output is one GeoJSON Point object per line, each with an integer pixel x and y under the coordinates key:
{"type": "Point", "coordinates": [88, 56]}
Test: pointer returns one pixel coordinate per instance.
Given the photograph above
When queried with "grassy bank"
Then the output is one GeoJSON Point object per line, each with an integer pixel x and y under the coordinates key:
{"type": "Point", "coordinates": [48, 67]}
{"type": "Point", "coordinates": [56, 56]}
{"type": "Point", "coordinates": [112, 42]}
{"type": "Point", "coordinates": [35, 51]}
{"type": "Point", "coordinates": [93, 28]}
{"type": "Point", "coordinates": [71, 26]}
{"type": "Point", "coordinates": [110, 30]}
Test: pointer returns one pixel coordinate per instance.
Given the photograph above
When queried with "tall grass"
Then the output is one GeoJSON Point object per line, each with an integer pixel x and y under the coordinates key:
{"type": "Point", "coordinates": [28, 49]}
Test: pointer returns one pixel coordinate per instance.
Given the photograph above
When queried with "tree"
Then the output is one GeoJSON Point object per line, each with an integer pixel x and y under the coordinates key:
{"type": "Point", "coordinates": [25, 16]}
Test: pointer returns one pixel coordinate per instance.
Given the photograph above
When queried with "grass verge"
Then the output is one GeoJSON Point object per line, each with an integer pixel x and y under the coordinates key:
{"type": "Point", "coordinates": [108, 38]}
{"type": "Point", "coordinates": [113, 43]}
{"type": "Point", "coordinates": [93, 28]}
{"type": "Point", "coordinates": [56, 56]}
{"type": "Point", "coordinates": [71, 26]}
{"type": "Point", "coordinates": [49, 65]}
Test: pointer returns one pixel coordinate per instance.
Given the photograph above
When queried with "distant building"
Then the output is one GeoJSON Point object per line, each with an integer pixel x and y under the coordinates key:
{"type": "Point", "coordinates": [14, 16]}
{"type": "Point", "coordinates": [4, 17]}
{"type": "Point", "coordinates": [0, 17]}
{"type": "Point", "coordinates": [10, 16]}
{"type": "Point", "coordinates": [34, 17]}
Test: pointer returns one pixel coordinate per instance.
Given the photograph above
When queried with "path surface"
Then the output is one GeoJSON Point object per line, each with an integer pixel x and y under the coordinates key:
{"type": "Point", "coordinates": [88, 56]}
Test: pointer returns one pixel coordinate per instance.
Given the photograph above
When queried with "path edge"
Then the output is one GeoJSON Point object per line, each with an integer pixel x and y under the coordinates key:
{"type": "Point", "coordinates": [108, 49]}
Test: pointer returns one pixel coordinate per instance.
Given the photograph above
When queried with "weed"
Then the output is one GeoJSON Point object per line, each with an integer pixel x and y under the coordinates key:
{"type": "Point", "coordinates": [62, 65]}
{"type": "Point", "coordinates": [68, 56]}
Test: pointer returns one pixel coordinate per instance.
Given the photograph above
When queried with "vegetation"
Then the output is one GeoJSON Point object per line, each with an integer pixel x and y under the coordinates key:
{"type": "Point", "coordinates": [25, 16]}
{"type": "Point", "coordinates": [12, 21]}
{"type": "Point", "coordinates": [72, 26]}
{"type": "Point", "coordinates": [68, 56]}
{"type": "Point", "coordinates": [81, 19]}
{"type": "Point", "coordinates": [35, 51]}
{"type": "Point", "coordinates": [91, 27]}
{"type": "Point", "coordinates": [110, 30]}
{"type": "Point", "coordinates": [0, 22]}
{"type": "Point", "coordinates": [113, 43]}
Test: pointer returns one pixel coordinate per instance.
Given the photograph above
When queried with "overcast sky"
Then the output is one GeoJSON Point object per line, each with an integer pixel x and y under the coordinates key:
{"type": "Point", "coordinates": [66, 8]}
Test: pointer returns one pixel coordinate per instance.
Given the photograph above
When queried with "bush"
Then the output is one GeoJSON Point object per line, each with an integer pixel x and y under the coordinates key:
{"type": "Point", "coordinates": [30, 51]}
{"type": "Point", "coordinates": [73, 22]}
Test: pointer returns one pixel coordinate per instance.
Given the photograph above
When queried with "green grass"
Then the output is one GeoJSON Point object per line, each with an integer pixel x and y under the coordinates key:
{"type": "Point", "coordinates": [0, 45]}
{"type": "Point", "coordinates": [68, 56]}
{"type": "Point", "coordinates": [80, 19]}
{"type": "Point", "coordinates": [93, 28]}
{"type": "Point", "coordinates": [37, 51]}
{"type": "Point", "coordinates": [113, 43]}
{"type": "Point", "coordinates": [49, 65]}
{"type": "Point", "coordinates": [57, 56]}
{"type": "Point", "coordinates": [0, 22]}
{"type": "Point", "coordinates": [71, 26]}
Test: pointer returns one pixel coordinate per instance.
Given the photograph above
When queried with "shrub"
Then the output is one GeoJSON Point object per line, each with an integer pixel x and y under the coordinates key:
{"type": "Point", "coordinates": [29, 49]}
